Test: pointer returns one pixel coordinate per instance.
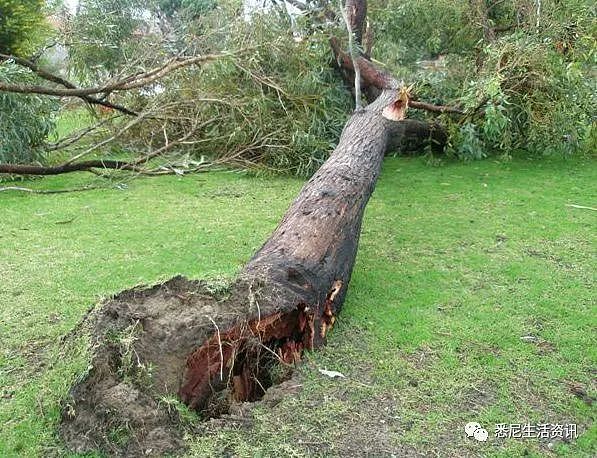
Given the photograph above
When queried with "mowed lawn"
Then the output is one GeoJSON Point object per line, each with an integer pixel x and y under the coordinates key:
{"type": "Point", "coordinates": [472, 299]}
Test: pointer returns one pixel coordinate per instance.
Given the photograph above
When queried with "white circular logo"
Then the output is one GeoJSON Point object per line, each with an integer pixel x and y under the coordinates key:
{"type": "Point", "coordinates": [474, 429]}
{"type": "Point", "coordinates": [471, 427]}
{"type": "Point", "coordinates": [481, 435]}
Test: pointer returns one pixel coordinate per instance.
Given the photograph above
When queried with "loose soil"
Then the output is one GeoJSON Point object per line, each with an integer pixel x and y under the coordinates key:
{"type": "Point", "coordinates": [142, 339]}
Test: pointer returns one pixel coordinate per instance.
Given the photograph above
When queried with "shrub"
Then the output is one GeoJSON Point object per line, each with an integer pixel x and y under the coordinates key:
{"type": "Point", "coordinates": [25, 120]}
{"type": "Point", "coordinates": [20, 25]}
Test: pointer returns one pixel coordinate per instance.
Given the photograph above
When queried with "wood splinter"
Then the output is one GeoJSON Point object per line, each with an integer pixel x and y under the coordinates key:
{"type": "Point", "coordinates": [396, 111]}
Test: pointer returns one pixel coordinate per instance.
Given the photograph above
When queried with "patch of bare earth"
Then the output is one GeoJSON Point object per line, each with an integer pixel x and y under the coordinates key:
{"type": "Point", "coordinates": [142, 340]}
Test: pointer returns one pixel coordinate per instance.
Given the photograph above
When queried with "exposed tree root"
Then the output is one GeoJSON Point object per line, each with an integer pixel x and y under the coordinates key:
{"type": "Point", "coordinates": [213, 351]}
{"type": "Point", "coordinates": [123, 405]}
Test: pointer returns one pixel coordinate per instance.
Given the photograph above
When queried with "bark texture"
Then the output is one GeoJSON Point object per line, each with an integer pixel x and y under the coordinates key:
{"type": "Point", "coordinates": [285, 300]}
{"type": "Point", "coordinates": [304, 268]}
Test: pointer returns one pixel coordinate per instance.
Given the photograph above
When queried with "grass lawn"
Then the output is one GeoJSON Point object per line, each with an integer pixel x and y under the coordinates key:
{"type": "Point", "coordinates": [472, 299]}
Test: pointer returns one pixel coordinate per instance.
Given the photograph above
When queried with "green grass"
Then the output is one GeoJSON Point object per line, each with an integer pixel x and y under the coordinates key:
{"type": "Point", "coordinates": [70, 121]}
{"type": "Point", "coordinates": [456, 264]}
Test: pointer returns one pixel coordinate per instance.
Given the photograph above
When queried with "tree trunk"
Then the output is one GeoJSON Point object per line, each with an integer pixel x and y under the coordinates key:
{"type": "Point", "coordinates": [285, 300]}
{"type": "Point", "coordinates": [306, 264]}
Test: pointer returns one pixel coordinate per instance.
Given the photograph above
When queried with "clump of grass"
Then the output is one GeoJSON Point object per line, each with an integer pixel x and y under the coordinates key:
{"type": "Point", "coordinates": [218, 287]}
{"type": "Point", "coordinates": [119, 435]}
{"type": "Point", "coordinates": [130, 366]}
{"type": "Point", "coordinates": [174, 406]}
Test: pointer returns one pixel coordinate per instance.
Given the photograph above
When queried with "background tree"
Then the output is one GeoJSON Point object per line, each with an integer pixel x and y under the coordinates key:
{"type": "Point", "coordinates": [25, 120]}
{"type": "Point", "coordinates": [21, 24]}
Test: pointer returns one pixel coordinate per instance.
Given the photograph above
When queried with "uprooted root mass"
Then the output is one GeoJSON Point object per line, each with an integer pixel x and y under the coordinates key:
{"type": "Point", "coordinates": [144, 338]}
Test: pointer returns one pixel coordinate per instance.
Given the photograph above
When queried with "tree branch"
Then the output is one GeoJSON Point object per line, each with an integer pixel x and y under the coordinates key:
{"type": "Point", "coordinates": [74, 138]}
{"type": "Point", "coordinates": [356, 12]}
{"type": "Point", "coordinates": [88, 166]}
{"type": "Point", "coordinates": [353, 27]}
{"type": "Point", "coordinates": [130, 82]}
{"type": "Point", "coordinates": [434, 108]}
{"type": "Point", "coordinates": [47, 191]}
{"type": "Point", "coordinates": [63, 82]}
{"type": "Point", "coordinates": [378, 79]}
{"type": "Point", "coordinates": [371, 75]}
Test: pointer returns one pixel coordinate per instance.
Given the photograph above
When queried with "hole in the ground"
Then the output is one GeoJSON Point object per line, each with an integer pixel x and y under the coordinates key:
{"type": "Point", "coordinates": [146, 364]}
{"type": "Point", "coordinates": [251, 357]}
{"type": "Point", "coordinates": [256, 367]}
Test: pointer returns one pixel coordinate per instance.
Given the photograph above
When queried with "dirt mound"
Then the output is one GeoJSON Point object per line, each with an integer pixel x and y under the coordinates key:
{"type": "Point", "coordinates": [142, 338]}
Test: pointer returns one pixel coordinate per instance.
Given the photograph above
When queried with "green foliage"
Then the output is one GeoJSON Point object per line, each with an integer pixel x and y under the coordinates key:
{"type": "Point", "coordinates": [113, 36]}
{"type": "Point", "coordinates": [289, 97]}
{"type": "Point", "coordinates": [103, 38]}
{"type": "Point", "coordinates": [275, 106]}
{"type": "Point", "coordinates": [409, 30]}
{"type": "Point", "coordinates": [469, 144]}
{"type": "Point", "coordinates": [25, 120]}
{"type": "Point", "coordinates": [535, 98]}
{"type": "Point", "coordinates": [524, 74]}
{"type": "Point", "coordinates": [192, 8]}
{"type": "Point", "coordinates": [20, 25]}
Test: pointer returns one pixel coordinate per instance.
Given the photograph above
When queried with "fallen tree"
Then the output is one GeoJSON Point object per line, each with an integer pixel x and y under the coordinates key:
{"type": "Point", "coordinates": [213, 349]}
{"type": "Point", "coordinates": [305, 266]}
{"type": "Point", "coordinates": [158, 121]}
{"type": "Point", "coordinates": [208, 350]}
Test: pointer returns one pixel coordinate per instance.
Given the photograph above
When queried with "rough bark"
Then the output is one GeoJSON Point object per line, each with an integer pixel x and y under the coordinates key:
{"type": "Point", "coordinates": [286, 299]}
{"type": "Point", "coordinates": [412, 137]}
{"type": "Point", "coordinates": [305, 266]}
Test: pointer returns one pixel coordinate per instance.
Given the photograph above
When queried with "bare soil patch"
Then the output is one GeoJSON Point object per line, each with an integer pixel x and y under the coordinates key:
{"type": "Point", "coordinates": [142, 339]}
